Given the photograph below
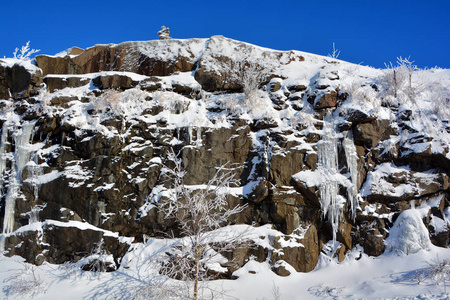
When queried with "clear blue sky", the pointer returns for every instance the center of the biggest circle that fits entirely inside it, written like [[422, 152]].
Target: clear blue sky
[[366, 31]]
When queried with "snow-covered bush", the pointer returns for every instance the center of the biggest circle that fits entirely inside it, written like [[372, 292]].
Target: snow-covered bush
[[247, 72], [397, 82], [440, 97], [25, 52], [362, 93], [302, 119], [436, 271], [131, 102], [259, 105], [173, 102], [106, 102], [335, 53], [408, 235], [25, 284], [98, 260]]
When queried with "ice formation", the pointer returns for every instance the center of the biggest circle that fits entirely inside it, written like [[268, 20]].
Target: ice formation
[[330, 200], [408, 235], [22, 155], [352, 164]]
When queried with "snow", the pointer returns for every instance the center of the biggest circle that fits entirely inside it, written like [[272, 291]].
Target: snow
[[377, 183], [408, 235], [29, 65], [357, 277]]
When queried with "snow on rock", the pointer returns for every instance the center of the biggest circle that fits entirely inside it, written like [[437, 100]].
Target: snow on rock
[[393, 183], [408, 235]]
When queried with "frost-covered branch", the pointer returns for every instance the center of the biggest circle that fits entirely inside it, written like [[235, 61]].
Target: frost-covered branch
[[25, 52], [335, 53]]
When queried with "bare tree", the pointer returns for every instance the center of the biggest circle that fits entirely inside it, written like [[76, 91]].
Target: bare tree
[[198, 214]]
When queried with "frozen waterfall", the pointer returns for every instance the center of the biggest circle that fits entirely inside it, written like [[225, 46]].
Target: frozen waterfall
[[21, 156], [352, 164], [327, 149]]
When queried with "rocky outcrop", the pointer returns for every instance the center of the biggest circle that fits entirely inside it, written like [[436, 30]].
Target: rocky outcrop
[[19, 80], [57, 243], [301, 253], [152, 58]]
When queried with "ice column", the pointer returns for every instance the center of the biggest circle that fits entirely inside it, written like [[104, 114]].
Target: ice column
[[34, 171], [3, 141], [21, 157], [352, 163], [327, 151], [199, 136]]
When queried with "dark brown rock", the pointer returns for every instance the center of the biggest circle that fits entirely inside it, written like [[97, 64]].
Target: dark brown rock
[[63, 243], [19, 82], [302, 254], [61, 82], [114, 81], [370, 134], [326, 101]]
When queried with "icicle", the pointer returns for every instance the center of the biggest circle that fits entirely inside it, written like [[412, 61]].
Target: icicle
[[189, 131], [352, 163], [21, 157], [34, 171], [10, 203], [34, 213], [330, 201], [199, 136], [4, 139], [23, 149], [327, 147]]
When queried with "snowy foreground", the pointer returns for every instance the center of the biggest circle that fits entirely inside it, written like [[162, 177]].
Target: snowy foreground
[[359, 276]]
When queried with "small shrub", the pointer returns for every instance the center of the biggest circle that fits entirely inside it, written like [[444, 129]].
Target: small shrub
[[25, 284], [437, 271]]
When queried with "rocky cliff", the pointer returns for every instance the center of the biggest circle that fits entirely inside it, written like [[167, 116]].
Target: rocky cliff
[[323, 149]]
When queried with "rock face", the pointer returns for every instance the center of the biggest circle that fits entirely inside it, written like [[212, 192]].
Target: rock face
[[19, 80], [58, 242], [153, 58], [85, 137]]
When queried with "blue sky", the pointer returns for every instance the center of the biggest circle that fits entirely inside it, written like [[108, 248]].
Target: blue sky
[[367, 32]]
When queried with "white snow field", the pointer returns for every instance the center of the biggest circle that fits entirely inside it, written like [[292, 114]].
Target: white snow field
[[393, 275]]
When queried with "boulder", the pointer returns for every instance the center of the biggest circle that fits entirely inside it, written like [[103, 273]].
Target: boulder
[[288, 209], [371, 133], [58, 242], [114, 81], [60, 82], [389, 183], [19, 81], [217, 147], [327, 100], [218, 70], [301, 252]]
